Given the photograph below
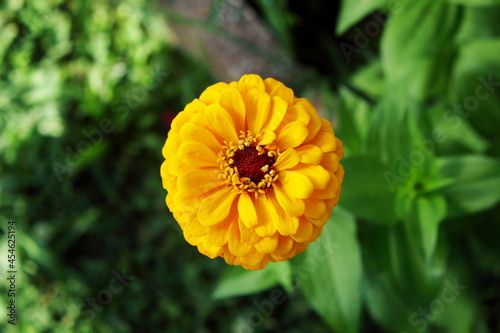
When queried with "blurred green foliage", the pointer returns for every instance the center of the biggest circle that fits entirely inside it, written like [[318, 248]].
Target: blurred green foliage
[[86, 91]]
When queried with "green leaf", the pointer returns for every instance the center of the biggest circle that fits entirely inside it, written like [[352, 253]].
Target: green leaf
[[407, 37], [366, 191], [476, 2], [476, 85], [236, 281], [477, 183], [332, 283], [370, 80], [354, 116], [352, 11], [428, 212], [479, 23]]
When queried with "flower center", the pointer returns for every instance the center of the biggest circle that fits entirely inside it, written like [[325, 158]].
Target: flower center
[[247, 166]]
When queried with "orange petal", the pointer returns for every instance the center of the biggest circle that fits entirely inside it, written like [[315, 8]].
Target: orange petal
[[285, 245], [304, 231], [218, 234], [236, 246], [267, 244], [247, 235], [253, 258], [315, 208]]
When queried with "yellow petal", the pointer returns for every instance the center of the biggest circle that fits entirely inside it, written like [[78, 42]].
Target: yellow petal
[[198, 181], [326, 141], [215, 208], [265, 227], [246, 210], [197, 155], [287, 160], [331, 190], [236, 246], [278, 110], [326, 126], [193, 132], [314, 124], [171, 145], [310, 154], [276, 88], [247, 235], [232, 101], [320, 221], [218, 234], [331, 162], [221, 123], [254, 81], [185, 201], [315, 208], [292, 206], [258, 105], [296, 184], [292, 135], [267, 244], [304, 231], [296, 113], [267, 138], [253, 258], [177, 167], [318, 176], [285, 245], [195, 228], [210, 96]]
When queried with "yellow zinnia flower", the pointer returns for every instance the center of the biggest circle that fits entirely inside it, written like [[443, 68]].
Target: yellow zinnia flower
[[252, 172]]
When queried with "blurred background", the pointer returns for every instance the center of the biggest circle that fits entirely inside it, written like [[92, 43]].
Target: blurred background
[[88, 90]]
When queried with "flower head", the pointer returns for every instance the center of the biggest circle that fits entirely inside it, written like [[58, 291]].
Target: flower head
[[252, 172]]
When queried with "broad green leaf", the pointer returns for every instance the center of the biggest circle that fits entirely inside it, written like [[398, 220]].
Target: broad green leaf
[[479, 23], [366, 191], [354, 121], [476, 2], [397, 281], [370, 80], [330, 273], [236, 281], [477, 183], [385, 305], [410, 38], [452, 133], [428, 212], [352, 11], [476, 84]]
